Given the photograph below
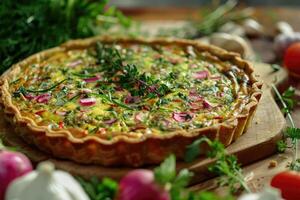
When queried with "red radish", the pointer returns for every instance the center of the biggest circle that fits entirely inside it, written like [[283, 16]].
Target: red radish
[[87, 101], [182, 116], [200, 75], [12, 165], [43, 98], [289, 183], [139, 185], [92, 79]]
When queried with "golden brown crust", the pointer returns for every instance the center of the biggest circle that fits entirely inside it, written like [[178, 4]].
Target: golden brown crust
[[122, 150]]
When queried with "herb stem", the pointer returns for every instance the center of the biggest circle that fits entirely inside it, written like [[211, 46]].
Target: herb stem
[[289, 116], [47, 89]]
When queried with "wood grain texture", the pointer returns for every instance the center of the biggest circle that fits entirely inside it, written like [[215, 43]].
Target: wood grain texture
[[257, 143]]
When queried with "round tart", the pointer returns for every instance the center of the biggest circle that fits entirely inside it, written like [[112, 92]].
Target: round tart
[[128, 101]]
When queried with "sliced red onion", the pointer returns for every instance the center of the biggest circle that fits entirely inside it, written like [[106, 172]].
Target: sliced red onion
[[140, 117], [40, 112], [218, 117], [207, 104], [92, 79], [75, 63], [87, 101], [182, 116], [196, 106], [152, 88], [43, 98], [110, 121], [200, 75], [194, 96], [193, 66], [215, 77], [29, 96], [131, 99], [174, 61], [61, 113], [85, 90]]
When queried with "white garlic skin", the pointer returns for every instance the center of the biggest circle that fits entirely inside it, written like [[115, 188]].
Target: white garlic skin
[[45, 184]]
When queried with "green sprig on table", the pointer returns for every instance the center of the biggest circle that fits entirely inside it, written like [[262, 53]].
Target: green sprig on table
[[287, 100], [225, 165]]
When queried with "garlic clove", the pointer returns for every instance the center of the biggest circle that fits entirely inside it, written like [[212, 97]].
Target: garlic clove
[[232, 28], [232, 43], [253, 28], [284, 28], [268, 193]]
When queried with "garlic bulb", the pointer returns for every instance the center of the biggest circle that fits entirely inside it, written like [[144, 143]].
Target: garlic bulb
[[266, 194], [232, 28], [253, 28], [284, 28], [45, 184], [231, 43]]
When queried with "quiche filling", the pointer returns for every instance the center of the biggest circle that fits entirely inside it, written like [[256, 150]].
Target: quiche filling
[[130, 89]]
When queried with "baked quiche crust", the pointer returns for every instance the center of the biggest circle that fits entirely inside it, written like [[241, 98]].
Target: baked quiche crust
[[122, 150]]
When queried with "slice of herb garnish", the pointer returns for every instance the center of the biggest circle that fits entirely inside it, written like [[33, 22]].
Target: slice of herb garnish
[[46, 89], [225, 165], [110, 99]]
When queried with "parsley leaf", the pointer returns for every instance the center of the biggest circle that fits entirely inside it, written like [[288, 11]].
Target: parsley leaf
[[166, 172], [99, 190], [288, 97], [225, 165]]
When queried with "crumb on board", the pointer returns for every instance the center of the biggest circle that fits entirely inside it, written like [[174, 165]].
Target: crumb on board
[[272, 164]]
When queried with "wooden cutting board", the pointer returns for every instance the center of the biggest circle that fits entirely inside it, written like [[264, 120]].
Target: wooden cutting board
[[257, 143]]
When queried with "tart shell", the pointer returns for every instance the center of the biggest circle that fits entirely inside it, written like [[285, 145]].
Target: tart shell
[[122, 150]]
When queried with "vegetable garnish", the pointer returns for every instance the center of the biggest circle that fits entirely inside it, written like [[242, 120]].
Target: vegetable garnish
[[182, 116], [291, 59], [289, 183], [12, 165], [162, 184], [54, 22], [225, 165], [87, 101], [288, 101], [200, 75]]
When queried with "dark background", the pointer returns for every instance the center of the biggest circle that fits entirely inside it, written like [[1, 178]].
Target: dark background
[[193, 3]]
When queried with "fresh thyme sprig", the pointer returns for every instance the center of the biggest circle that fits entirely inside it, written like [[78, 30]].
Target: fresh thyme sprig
[[288, 101], [129, 77], [225, 165], [165, 175]]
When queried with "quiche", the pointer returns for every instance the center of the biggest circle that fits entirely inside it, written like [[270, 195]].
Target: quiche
[[130, 102]]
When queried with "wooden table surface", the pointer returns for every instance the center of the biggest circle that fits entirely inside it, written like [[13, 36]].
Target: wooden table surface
[[259, 173]]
